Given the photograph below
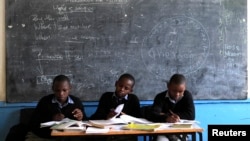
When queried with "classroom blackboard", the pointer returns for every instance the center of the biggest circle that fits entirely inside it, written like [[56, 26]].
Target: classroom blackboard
[[95, 41]]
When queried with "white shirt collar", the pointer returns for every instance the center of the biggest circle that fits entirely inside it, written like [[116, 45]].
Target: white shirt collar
[[171, 100], [70, 101], [125, 97]]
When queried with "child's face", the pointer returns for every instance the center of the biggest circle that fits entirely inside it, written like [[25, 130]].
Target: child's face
[[123, 87], [61, 90], [176, 91]]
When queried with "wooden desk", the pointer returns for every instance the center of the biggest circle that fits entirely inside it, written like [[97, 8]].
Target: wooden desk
[[191, 131]]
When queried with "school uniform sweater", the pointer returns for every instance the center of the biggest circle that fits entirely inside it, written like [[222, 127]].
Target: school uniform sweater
[[109, 101], [184, 108], [46, 109]]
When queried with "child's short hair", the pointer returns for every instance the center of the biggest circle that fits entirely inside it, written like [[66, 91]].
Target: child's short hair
[[60, 78], [177, 79], [127, 76]]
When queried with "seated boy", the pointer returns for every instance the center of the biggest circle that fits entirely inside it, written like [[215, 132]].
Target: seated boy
[[122, 95], [55, 107], [173, 104]]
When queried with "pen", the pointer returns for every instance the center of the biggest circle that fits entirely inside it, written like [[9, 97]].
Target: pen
[[59, 109], [171, 112], [123, 113], [175, 115]]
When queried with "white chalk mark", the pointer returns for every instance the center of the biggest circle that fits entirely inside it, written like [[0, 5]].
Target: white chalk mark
[[73, 42]]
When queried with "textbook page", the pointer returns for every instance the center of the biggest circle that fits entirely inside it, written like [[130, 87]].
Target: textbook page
[[128, 119], [123, 119], [71, 125], [188, 121], [118, 110], [183, 123], [51, 123], [102, 123], [144, 127], [91, 130]]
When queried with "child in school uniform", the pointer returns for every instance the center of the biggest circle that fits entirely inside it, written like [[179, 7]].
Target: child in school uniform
[[172, 105], [55, 107], [122, 95]]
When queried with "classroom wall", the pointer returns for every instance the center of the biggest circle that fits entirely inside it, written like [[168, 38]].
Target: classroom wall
[[207, 112]]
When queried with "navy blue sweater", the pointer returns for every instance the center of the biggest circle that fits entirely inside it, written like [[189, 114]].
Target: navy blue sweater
[[45, 110], [184, 108]]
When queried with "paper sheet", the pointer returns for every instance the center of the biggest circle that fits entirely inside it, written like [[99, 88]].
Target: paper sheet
[[51, 123], [96, 130], [118, 110], [129, 118]]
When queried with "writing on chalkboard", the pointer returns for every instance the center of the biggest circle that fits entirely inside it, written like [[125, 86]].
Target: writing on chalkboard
[[95, 41]]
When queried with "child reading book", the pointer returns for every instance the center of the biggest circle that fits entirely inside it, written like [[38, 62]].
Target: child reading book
[[55, 107], [122, 95]]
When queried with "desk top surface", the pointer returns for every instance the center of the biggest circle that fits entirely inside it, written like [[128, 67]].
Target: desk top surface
[[128, 132]]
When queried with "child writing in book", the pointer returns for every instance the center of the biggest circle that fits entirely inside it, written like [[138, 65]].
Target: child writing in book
[[173, 104], [122, 95], [55, 107]]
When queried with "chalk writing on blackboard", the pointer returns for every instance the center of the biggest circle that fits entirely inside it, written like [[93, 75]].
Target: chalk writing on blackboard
[[166, 54], [95, 41]]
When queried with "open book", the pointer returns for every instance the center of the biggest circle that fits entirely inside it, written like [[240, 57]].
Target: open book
[[184, 124], [181, 125], [51, 123], [131, 119], [189, 121], [92, 130], [123, 119], [118, 110], [71, 125], [140, 126]]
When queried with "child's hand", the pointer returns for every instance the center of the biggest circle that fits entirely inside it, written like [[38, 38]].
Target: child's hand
[[111, 114], [173, 117], [77, 113], [58, 117]]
